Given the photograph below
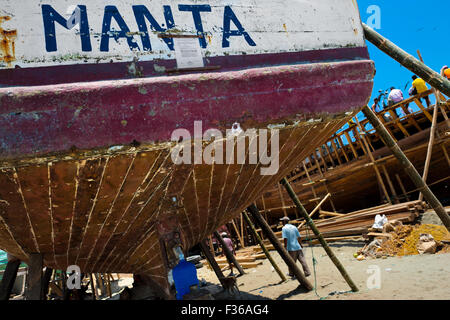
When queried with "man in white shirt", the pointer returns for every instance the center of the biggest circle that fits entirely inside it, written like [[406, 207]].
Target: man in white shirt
[[291, 238]]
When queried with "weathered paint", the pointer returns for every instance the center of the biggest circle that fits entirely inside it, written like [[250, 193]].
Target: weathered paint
[[39, 120], [118, 31]]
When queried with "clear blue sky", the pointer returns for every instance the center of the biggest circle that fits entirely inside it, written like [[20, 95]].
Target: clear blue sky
[[413, 25]]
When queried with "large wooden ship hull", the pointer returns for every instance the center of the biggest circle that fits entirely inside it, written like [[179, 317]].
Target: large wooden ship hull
[[346, 171], [87, 174]]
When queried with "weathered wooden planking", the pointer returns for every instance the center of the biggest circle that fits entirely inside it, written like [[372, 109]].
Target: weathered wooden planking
[[115, 172]]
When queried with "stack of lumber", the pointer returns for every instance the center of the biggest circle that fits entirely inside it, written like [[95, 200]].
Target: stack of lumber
[[249, 257], [354, 224]]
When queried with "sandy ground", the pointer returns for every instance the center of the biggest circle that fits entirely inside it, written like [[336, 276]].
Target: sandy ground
[[410, 277]]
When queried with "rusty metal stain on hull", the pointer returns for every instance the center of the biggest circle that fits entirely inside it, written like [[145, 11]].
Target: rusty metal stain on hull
[[7, 43]]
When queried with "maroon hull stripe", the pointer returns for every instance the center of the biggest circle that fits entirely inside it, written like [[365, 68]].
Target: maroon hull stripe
[[43, 119], [111, 71]]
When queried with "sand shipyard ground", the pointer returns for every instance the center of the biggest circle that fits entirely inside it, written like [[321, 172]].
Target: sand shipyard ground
[[407, 277]]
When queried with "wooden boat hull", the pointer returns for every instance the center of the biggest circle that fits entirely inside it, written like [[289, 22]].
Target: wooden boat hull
[[115, 213], [87, 176]]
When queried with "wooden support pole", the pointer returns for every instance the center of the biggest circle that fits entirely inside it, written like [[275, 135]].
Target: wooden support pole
[[325, 167], [372, 159], [94, 292], [316, 161], [265, 214], [313, 190], [9, 277], [108, 285], [317, 208], [253, 210], [52, 280], [211, 246], [101, 287], [402, 186], [408, 61], [391, 186], [45, 282], [237, 233], [444, 150], [342, 147], [350, 143], [430, 146], [333, 164], [230, 256], [338, 157], [34, 277], [212, 262], [263, 247], [319, 236], [408, 167], [242, 228], [331, 200], [282, 200]]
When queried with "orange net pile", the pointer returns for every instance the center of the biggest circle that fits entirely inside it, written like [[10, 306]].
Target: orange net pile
[[405, 239]]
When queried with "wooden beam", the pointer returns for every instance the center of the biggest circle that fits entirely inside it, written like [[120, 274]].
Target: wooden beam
[[211, 245], [391, 186], [372, 159], [342, 147], [45, 282], [263, 247], [430, 146], [330, 155], [34, 277], [282, 200], [9, 277], [325, 167], [350, 143], [315, 209], [93, 289], [402, 186], [253, 210], [212, 262], [230, 256], [444, 150], [336, 151], [332, 214], [237, 233], [424, 110]]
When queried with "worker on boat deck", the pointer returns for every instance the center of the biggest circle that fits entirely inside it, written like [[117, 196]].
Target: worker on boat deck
[[375, 107], [292, 242], [421, 87], [230, 246], [445, 72], [395, 96]]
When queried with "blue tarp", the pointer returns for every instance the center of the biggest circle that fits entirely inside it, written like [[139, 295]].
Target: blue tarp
[[3, 258]]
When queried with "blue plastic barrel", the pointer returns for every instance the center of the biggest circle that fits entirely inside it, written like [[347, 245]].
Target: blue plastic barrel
[[184, 276]]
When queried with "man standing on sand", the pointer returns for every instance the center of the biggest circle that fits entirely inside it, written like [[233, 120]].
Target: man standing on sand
[[291, 238]]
